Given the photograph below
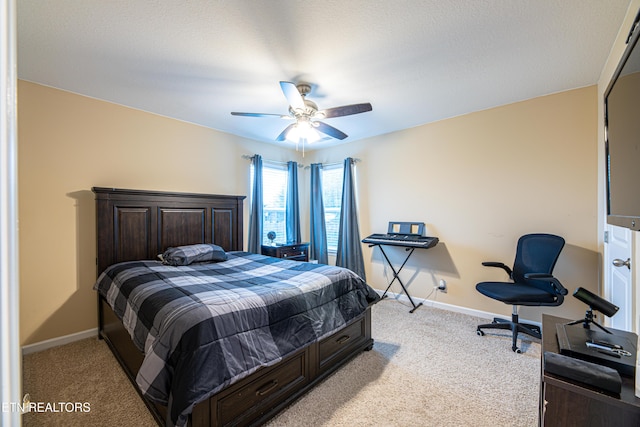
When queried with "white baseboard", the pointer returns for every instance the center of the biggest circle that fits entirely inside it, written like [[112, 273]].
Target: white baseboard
[[55, 342], [455, 308]]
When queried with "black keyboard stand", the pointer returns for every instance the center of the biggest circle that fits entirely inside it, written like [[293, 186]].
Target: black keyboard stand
[[396, 273]]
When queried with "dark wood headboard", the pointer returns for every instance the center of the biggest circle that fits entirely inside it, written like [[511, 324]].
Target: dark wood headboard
[[135, 225]]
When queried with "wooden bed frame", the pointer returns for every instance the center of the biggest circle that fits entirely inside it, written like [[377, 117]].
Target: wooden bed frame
[[136, 225]]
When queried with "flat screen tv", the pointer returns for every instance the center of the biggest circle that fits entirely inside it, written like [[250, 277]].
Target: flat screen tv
[[622, 137]]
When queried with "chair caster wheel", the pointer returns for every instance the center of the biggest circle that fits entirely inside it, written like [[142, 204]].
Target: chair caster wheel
[[516, 350], [479, 333]]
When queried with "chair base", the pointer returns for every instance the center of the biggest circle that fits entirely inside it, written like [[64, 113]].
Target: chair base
[[514, 326]]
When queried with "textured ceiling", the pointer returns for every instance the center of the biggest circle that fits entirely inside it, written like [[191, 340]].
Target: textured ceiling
[[415, 61]]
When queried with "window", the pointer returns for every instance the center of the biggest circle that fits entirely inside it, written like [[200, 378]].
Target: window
[[274, 195], [332, 197], [274, 198]]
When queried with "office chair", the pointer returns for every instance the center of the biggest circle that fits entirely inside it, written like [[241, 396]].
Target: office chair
[[532, 283]]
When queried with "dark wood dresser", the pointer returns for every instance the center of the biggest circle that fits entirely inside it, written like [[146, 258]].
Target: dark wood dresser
[[293, 251], [564, 402]]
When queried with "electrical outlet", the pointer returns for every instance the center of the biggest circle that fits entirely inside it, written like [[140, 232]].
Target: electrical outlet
[[442, 286]]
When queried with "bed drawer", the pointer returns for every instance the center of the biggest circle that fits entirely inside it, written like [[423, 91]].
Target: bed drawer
[[248, 401], [331, 348]]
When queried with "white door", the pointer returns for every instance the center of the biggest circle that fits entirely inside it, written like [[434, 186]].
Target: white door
[[617, 276]]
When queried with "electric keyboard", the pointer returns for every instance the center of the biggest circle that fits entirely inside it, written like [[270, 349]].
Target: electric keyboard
[[405, 234], [406, 240]]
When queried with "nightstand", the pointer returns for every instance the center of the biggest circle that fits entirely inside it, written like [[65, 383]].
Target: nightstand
[[293, 251]]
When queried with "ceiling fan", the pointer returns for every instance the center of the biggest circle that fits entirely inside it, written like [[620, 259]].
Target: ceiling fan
[[306, 115]]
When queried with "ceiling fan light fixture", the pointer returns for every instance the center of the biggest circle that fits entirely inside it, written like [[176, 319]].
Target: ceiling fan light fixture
[[303, 130], [293, 135]]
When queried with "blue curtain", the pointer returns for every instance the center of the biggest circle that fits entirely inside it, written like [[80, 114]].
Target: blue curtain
[[292, 209], [318, 242], [255, 216], [349, 248]]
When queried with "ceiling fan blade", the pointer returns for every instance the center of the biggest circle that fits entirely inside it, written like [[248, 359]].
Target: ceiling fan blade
[[283, 135], [329, 130], [235, 113], [293, 96], [345, 110]]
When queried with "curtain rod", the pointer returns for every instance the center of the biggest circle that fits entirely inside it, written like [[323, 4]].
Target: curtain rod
[[355, 160], [248, 157]]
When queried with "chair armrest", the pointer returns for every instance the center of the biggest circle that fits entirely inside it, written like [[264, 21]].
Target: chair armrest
[[501, 265], [544, 276]]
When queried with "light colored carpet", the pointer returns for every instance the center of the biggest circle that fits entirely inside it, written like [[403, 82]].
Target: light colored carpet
[[83, 371], [428, 368]]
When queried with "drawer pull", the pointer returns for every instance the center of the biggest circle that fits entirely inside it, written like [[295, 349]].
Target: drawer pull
[[267, 388], [343, 339]]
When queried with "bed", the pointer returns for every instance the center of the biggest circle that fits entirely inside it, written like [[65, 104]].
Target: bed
[[133, 227]]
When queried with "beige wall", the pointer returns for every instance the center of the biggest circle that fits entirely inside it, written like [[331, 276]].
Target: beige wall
[[478, 181], [69, 144]]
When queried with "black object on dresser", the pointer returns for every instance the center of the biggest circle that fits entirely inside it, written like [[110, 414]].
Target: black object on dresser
[[565, 401], [292, 251]]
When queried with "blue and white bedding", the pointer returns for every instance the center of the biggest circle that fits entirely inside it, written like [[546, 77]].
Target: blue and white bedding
[[204, 326]]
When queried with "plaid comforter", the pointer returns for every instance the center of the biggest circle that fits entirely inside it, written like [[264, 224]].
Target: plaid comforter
[[205, 326]]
